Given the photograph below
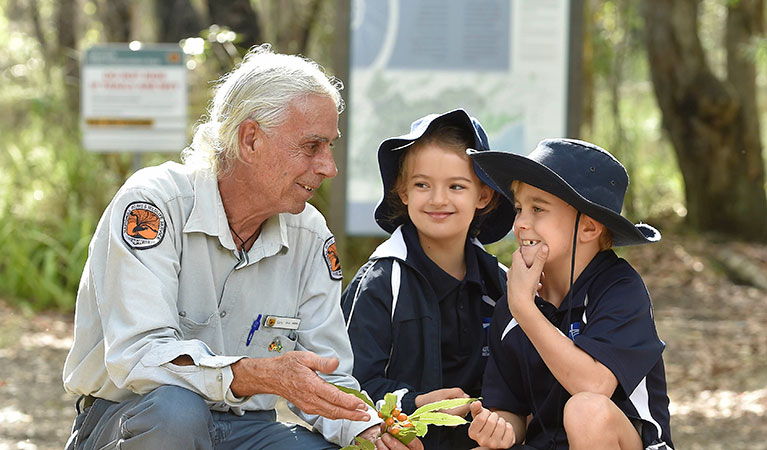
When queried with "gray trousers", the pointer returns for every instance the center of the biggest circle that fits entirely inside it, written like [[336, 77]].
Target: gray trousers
[[171, 418]]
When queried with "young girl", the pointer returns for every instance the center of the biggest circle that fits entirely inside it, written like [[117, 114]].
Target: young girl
[[418, 310]]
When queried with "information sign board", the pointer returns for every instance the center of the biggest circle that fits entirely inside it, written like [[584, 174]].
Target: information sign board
[[133, 100], [504, 61]]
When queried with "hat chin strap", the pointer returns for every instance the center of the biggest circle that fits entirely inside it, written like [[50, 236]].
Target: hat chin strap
[[553, 441], [572, 273]]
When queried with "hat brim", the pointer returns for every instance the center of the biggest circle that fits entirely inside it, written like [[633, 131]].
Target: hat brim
[[495, 224], [504, 168]]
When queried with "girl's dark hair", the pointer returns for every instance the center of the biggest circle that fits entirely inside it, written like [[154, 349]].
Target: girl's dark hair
[[448, 137]]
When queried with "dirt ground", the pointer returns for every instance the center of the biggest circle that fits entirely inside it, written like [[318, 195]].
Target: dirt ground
[[716, 355]]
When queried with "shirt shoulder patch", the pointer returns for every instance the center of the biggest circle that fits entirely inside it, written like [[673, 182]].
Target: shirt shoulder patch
[[330, 254], [143, 225]]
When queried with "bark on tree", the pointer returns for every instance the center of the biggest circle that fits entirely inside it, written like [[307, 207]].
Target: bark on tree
[[621, 48], [176, 19], [116, 18], [587, 71], [713, 124], [34, 12], [67, 24], [240, 17], [291, 24]]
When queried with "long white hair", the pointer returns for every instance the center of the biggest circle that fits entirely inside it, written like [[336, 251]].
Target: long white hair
[[260, 88]]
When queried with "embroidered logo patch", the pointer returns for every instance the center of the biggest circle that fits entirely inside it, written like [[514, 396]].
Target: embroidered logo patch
[[143, 225], [331, 259], [575, 330]]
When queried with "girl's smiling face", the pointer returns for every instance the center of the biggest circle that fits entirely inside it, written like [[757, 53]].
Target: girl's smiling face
[[442, 193]]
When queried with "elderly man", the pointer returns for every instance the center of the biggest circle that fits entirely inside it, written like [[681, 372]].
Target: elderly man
[[212, 287]]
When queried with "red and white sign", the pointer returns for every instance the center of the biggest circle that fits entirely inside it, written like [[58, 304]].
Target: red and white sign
[[134, 100]]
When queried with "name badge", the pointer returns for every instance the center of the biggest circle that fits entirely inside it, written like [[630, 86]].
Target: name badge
[[284, 323]]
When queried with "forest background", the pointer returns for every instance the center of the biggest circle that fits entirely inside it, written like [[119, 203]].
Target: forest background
[[676, 90]]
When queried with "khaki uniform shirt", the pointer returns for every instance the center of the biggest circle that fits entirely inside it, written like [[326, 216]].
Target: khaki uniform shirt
[[164, 278]]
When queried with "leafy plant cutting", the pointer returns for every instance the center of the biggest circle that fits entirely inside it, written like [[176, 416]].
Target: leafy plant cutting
[[404, 427]]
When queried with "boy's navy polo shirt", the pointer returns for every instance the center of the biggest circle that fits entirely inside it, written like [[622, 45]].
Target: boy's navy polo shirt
[[612, 321], [463, 312]]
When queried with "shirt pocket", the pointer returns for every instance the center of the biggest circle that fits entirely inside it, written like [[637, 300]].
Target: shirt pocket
[[268, 342], [204, 330]]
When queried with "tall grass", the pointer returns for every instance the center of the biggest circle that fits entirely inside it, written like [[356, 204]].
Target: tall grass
[[51, 195]]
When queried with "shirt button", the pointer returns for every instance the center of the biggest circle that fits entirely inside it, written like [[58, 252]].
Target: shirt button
[[460, 306], [223, 314], [219, 377], [182, 313], [465, 330]]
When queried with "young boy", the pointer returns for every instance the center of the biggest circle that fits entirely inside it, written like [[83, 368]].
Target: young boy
[[417, 311], [576, 346]]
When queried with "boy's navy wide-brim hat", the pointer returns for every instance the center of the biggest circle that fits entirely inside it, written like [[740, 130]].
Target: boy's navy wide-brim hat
[[495, 224], [582, 174]]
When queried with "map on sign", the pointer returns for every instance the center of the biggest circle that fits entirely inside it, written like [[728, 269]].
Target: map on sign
[[134, 99], [503, 61]]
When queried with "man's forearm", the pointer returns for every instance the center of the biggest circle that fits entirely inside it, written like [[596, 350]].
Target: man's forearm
[[253, 376]]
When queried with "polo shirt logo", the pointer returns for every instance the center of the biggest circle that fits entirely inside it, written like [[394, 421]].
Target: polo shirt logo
[[575, 330], [330, 254], [143, 225]]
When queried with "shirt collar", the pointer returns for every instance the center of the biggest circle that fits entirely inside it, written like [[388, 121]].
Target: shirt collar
[[208, 216], [593, 268], [442, 282], [580, 287], [272, 239], [472, 263]]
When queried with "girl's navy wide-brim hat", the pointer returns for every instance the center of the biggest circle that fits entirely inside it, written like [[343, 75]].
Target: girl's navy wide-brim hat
[[495, 224], [582, 174]]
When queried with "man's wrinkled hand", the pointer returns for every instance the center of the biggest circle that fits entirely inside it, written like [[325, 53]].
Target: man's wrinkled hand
[[389, 442], [293, 376]]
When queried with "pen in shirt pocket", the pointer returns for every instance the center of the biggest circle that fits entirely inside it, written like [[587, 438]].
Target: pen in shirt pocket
[[253, 329]]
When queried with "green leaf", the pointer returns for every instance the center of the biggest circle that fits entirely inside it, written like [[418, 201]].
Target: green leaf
[[438, 418], [421, 428], [360, 444], [390, 402], [364, 443], [406, 435], [442, 404], [355, 393]]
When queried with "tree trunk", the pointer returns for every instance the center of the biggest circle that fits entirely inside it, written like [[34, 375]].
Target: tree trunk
[[290, 25], [615, 78], [176, 19], [587, 71], [34, 12], [240, 17], [712, 124], [116, 18], [66, 52]]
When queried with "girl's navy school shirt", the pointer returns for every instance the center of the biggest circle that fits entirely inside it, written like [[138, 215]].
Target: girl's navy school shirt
[[433, 336], [465, 315]]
